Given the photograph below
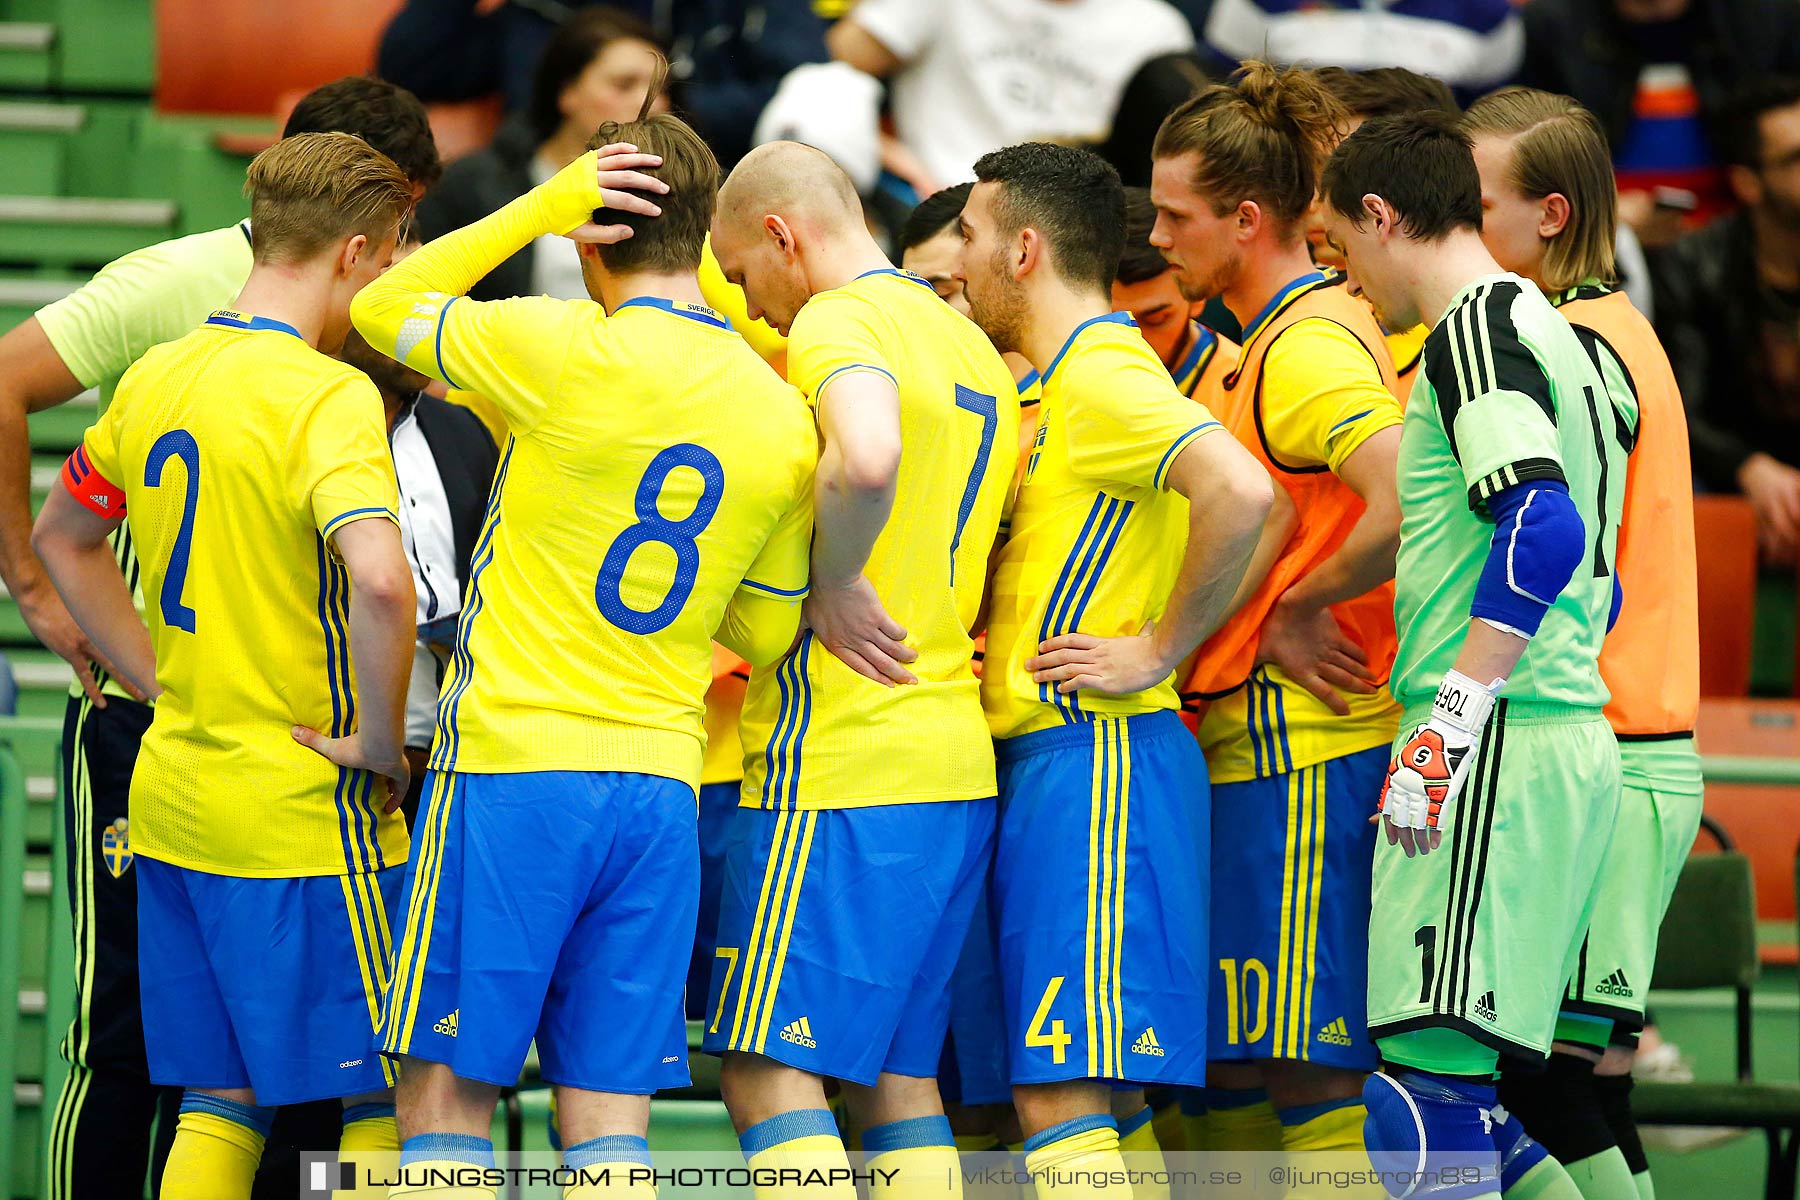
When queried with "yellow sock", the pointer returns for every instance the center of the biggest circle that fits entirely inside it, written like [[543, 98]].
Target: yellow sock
[[921, 1156], [218, 1143], [370, 1142], [1335, 1125], [608, 1164], [442, 1166], [1143, 1155], [1063, 1159], [1235, 1119], [979, 1143], [1171, 1127], [806, 1141]]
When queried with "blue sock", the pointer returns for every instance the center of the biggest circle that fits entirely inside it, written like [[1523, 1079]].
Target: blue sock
[[447, 1147], [247, 1115], [1419, 1122], [908, 1134], [610, 1148]]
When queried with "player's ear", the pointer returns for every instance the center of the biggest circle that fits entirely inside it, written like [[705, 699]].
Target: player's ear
[[354, 247], [1028, 252], [1249, 219], [1553, 215], [1376, 209], [779, 233]]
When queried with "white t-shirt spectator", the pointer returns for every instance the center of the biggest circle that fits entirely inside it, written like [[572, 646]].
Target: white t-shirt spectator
[[981, 74]]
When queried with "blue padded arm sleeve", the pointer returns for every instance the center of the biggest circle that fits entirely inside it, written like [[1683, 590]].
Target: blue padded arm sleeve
[[1538, 543]]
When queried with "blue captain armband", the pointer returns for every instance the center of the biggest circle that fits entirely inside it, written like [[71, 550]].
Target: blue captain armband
[[1538, 543]]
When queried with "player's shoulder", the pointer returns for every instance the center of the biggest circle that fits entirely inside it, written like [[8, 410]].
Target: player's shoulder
[[1101, 348], [1500, 335]]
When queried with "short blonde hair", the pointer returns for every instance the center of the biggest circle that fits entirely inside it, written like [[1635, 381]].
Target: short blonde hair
[[313, 190], [1558, 146]]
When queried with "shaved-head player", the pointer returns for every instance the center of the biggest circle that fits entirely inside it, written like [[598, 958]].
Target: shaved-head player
[[868, 773]]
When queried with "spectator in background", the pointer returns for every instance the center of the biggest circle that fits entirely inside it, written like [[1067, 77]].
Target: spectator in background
[[727, 56], [1728, 312], [1657, 73], [1157, 90], [1473, 45], [969, 76], [595, 68]]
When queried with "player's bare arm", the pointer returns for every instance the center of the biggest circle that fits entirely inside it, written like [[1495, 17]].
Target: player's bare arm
[[33, 377], [1300, 635], [853, 495], [1229, 496], [382, 630], [72, 543]]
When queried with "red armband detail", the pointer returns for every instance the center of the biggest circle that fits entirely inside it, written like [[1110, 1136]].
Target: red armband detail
[[90, 488]]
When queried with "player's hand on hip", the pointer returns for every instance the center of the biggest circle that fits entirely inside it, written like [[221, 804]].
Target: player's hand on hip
[[351, 752], [1309, 646], [50, 623], [1114, 666], [1426, 776], [850, 621]]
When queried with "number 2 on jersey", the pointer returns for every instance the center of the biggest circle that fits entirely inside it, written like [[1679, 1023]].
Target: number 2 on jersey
[[987, 408], [177, 443], [653, 528]]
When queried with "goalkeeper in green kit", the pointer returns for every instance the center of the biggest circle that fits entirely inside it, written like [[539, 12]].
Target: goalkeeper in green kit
[[1500, 802]]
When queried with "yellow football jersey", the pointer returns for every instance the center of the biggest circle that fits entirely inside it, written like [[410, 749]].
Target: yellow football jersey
[[1320, 397], [1096, 540], [1201, 371], [235, 453], [816, 734], [656, 466]]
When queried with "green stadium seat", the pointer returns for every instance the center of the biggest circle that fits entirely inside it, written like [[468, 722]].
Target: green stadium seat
[[34, 142], [22, 296], [27, 54], [12, 928], [66, 230], [58, 430], [1708, 940], [43, 683]]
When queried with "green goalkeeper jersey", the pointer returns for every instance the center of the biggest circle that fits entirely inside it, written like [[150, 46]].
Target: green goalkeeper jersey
[[1507, 394]]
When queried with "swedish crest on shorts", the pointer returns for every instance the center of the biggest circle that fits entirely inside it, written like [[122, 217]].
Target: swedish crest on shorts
[[115, 847]]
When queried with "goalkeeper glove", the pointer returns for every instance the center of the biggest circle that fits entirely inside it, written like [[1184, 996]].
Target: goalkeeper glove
[[1427, 774]]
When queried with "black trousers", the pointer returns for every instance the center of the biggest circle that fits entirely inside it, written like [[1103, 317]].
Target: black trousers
[[112, 1127]]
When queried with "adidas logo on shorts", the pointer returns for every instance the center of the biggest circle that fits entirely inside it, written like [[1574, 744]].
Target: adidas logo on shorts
[[1335, 1034], [1484, 1007], [1614, 985], [447, 1026], [1147, 1044], [800, 1033]]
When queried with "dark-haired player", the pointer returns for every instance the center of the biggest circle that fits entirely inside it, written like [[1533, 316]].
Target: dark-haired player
[[1149, 288], [654, 496], [1500, 801], [1106, 582], [100, 1135], [1299, 723]]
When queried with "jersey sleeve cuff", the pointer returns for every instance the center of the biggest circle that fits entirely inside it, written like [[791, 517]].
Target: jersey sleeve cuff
[[1522, 471], [1177, 446], [1344, 438], [849, 367], [356, 514], [778, 593], [91, 489]]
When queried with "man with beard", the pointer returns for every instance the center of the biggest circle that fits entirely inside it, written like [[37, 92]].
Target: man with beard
[[1300, 721], [1106, 583]]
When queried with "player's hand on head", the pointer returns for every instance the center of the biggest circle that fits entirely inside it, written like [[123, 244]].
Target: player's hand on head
[[621, 180], [850, 621], [1115, 666], [1309, 646], [1427, 775], [50, 623], [351, 752]]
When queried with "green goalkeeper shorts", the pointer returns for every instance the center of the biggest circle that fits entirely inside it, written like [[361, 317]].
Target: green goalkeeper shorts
[[1659, 813], [1481, 935]]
